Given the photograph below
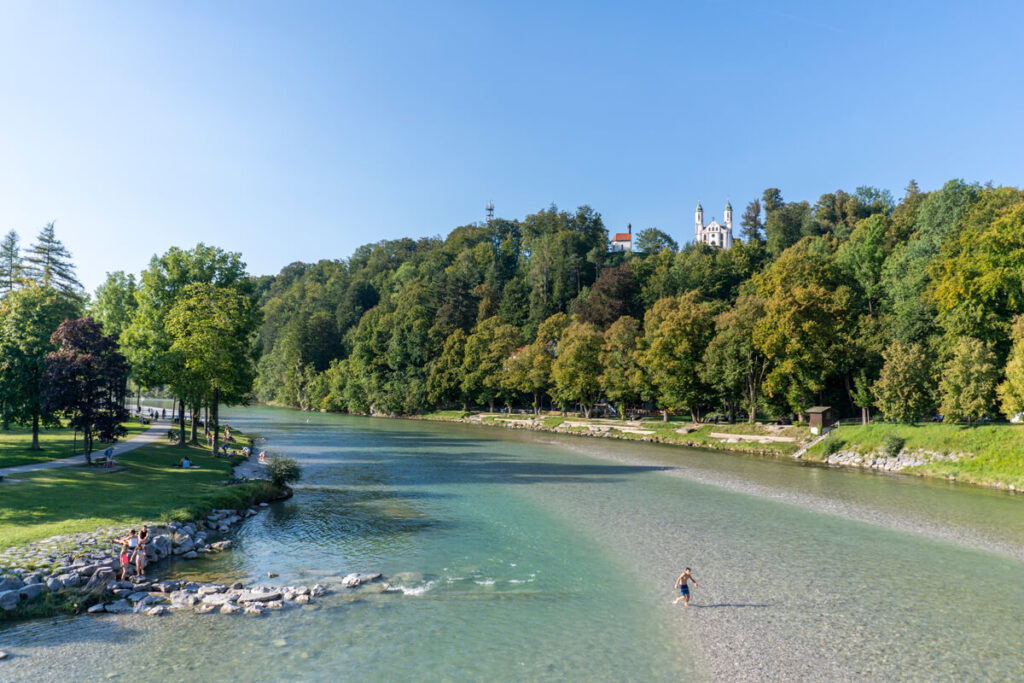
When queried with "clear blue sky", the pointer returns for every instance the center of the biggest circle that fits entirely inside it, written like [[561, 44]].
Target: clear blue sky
[[298, 131]]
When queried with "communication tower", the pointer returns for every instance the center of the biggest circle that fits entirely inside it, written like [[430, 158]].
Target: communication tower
[[490, 210]]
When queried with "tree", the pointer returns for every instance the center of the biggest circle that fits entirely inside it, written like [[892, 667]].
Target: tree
[[28, 319], [677, 330], [577, 369], [85, 380], [806, 324], [483, 364], [212, 330], [786, 224], [115, 302], [48, 263], [622, 379], [652, 240], [444, 382], [771, 199], [751, 222], [978, 278], [1011, 391], [145, 341], [613, 295], [528, 371], [905, 390], [968, 384], [10, 263], [862, 258], [732, 364]]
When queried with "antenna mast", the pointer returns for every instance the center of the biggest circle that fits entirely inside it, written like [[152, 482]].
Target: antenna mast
[[490, 210]]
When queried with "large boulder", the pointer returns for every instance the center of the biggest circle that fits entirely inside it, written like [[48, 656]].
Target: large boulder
[[119, 606], [259, 595], [31, 591], [217, 598], [10, 583], [9, 599], [69, 580], [354, 579]]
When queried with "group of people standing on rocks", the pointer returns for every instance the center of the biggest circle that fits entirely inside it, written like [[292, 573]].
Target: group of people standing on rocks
[[133, 552]]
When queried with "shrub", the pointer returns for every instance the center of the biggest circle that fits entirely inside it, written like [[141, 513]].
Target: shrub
[[892, 444], [283, 471], [833, 444]]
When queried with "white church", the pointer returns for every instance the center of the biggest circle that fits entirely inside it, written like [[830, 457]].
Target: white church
[[714, 233]]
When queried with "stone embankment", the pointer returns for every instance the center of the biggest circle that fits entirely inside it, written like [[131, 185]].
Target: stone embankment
[[880, 461], [85, 566]]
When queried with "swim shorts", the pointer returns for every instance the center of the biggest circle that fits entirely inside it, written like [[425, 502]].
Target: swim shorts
[[684, 590]]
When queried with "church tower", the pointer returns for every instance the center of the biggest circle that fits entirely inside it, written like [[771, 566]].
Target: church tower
[[728, 225], [698, 219]]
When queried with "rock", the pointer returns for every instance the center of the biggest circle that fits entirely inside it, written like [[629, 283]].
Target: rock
[[3, 655], [210, 589], [280, 642], [229, 608], [264, 505], [156, 611], [31, 591], [190, 555], [119, 606], [204, 608], [221, 545], [255, 609], [217, 599], [54, 584], [9, 599], [10, 584], [354, 579], [258, 595], [137, 597], [185, 547], [275, 604], [271, 575], [96, 609], [317, 590], [301, 590], [237, 585], [100, 581], [301, 599]]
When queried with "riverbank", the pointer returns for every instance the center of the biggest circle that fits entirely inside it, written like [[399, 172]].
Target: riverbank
[[146, 484], [54, 443], [984, 455]]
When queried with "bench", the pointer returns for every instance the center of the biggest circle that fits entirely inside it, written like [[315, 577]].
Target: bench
[[103, 460]]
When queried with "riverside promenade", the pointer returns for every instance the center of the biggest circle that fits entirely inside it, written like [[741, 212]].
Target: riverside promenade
[[151, 435]]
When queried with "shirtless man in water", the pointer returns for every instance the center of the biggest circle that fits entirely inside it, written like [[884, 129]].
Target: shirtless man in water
[[684, 590]]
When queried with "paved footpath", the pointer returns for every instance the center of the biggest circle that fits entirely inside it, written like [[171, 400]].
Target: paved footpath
[[155, 433]]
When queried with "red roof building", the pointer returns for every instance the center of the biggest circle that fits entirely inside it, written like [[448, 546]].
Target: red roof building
[[623, 241]]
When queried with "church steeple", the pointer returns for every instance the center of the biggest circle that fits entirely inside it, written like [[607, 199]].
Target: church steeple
[[698, 219]]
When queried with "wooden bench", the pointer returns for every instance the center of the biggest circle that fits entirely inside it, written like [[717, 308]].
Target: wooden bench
[[103, 460]]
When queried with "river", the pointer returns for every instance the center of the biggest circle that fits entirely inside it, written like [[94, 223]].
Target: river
[[531, 556]]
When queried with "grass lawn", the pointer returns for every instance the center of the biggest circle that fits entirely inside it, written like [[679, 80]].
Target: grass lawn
[[146, 486], [998, 448], [55, 443]]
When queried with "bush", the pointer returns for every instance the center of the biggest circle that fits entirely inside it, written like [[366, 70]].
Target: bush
[[283, 471], [892, 444], [833, 444]]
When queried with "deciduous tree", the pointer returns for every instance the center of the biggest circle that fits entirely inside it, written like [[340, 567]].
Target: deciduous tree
[[968, 384], [905, 390]]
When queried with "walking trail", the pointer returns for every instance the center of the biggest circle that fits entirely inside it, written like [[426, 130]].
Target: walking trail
[[157, 431]]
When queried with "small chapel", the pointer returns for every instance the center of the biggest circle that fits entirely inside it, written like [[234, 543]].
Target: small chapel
[[714, 233]]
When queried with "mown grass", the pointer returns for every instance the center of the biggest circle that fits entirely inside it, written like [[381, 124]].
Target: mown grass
[[147, 485], [998, 449], [55, 443], [444, 415]]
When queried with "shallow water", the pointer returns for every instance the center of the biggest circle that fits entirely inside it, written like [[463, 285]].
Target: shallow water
[[535, 557]]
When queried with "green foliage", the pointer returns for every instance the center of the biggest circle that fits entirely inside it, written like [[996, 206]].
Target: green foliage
[[283, 471], [577, 369], [833, 444], [1011, 390], [114, 303], [968, 384], [47, 263], [652, 240], [892, 444], [11, 264], [623, 379], [905, 390]]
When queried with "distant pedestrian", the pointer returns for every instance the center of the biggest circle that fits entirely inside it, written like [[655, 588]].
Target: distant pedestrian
[[684, 589]]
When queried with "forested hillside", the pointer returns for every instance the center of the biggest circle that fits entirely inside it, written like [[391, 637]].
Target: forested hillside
[[855, 301]]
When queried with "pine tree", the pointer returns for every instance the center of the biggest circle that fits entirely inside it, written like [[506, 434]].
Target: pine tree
[[48, 263], [10, 262], [751, 222]]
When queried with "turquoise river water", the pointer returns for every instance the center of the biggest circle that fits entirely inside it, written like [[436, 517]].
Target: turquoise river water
[[530, 556]]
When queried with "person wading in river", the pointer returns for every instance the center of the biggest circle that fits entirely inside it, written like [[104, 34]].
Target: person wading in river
[[684, 590]]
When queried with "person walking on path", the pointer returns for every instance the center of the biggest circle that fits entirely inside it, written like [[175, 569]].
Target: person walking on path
[[684, 589]]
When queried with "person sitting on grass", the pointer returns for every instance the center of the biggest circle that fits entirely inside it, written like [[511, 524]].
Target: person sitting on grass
[[185, 463]]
